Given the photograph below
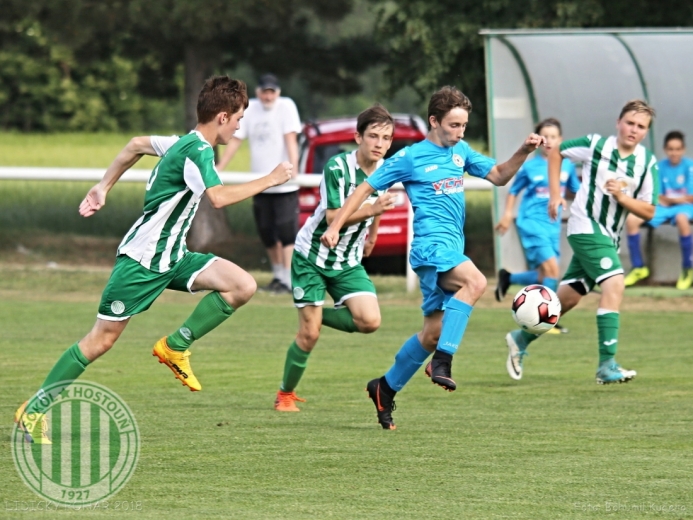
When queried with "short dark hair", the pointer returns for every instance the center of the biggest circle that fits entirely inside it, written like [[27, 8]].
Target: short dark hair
[[639, 107], [444, 101], [674, 134], [220, 94], [549, 121], [375, 115]]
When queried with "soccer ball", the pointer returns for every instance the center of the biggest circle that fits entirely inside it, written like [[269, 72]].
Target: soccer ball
[[536, 309]]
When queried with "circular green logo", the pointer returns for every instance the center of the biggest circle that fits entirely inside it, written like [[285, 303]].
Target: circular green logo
[[90, 446]]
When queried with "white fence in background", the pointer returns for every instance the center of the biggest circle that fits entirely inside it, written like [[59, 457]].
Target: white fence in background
[[309, 181]]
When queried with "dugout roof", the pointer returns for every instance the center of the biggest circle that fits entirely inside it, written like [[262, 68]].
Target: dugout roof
[[583, 77]]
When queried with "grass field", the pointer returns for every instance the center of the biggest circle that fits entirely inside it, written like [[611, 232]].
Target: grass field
[[554, 445], [82, 150]]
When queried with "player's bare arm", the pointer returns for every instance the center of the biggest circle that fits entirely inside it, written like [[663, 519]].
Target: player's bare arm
[[372, 237], [291, 142], [351, 205], [383, 203], [507, 218], [502, 173], [556, 201], [221, 196], [639, 208], [126, 159]]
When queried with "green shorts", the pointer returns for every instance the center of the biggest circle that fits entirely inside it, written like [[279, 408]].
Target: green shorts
[[595, 259], [132, 289], [310, 282]]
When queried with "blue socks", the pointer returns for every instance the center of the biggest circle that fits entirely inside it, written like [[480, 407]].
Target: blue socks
[[686, 250], [525, 278], [634, 250], [551, 283], [455, 321], [407, 361]]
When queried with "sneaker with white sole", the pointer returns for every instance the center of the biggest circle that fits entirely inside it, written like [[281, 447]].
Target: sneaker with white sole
[[611, 372], [516, 354]]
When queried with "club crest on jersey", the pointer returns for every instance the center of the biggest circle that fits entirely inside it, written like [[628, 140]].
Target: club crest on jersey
[[449, 186], [457, 160]]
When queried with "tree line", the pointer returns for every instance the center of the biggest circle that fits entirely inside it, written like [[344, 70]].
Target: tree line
[[100, 65]]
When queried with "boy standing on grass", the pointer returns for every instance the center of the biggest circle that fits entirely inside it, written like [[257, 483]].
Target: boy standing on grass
[[619, 176], [316, 268], [432, 172], [153, 255]]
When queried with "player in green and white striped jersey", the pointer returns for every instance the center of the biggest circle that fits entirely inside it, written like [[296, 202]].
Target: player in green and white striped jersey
[[618, 176], [315, 269], [153, 256]]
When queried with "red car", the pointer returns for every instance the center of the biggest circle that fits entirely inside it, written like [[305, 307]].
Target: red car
[[323, 139]]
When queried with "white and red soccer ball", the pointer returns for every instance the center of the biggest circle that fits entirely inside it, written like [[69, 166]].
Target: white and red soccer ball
[[536, 309]]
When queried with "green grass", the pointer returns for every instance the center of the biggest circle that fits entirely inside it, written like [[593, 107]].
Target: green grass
[[554, 445], [82, 150]]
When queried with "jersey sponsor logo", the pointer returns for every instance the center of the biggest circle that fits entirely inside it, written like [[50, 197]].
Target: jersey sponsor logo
[[431, 168], [117, 307], [299, 293], [606, 263], [458, 160], [203, 147], [449, 186]]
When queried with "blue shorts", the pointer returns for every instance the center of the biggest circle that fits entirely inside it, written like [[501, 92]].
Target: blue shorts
[[428, 264], [667, 214], [538, 249]]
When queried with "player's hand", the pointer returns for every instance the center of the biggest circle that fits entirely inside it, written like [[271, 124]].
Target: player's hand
[[614, 188], [504, 224], [368, 246], [383, 203], [533, 142], [282, 173], [330, 238], [554, 204], [93, 202]]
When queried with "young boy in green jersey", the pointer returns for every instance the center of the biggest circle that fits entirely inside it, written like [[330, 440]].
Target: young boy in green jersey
[[619, 176], [316, 269], [153, 256]]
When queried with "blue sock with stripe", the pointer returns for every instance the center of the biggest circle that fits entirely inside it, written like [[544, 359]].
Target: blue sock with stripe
[[686, 250], [407, 361], [634, 250], [524, 278], [455, 321]]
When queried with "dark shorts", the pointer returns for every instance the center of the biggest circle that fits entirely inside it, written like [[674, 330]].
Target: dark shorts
[[276, 217]]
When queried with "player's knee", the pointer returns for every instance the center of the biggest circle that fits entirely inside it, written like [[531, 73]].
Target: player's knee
[[244, 290], [308, 337], [368, 324], [429, 340], [477, 285]]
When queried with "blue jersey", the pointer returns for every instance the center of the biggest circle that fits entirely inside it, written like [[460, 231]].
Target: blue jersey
[[533, 177], [433, 178], [676, 181]]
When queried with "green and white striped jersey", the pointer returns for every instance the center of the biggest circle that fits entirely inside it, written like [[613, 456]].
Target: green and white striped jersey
[[594, 209], [340, 178], [174, 189]]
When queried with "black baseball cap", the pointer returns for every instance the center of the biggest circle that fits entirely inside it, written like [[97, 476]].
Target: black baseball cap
[[268, 82]]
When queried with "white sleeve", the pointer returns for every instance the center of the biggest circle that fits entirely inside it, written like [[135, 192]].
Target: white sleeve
[[161, 143], [291, 122]]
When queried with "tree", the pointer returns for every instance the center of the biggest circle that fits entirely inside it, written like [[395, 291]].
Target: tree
[[430, 44]]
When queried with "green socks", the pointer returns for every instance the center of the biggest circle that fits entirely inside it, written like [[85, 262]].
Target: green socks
[[294, 366], [68, 368], [211, 312], [607, 327], [340, 319]]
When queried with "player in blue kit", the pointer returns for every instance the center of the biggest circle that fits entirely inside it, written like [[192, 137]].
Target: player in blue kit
[[432, 172], [675, 207], [539, 235]]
